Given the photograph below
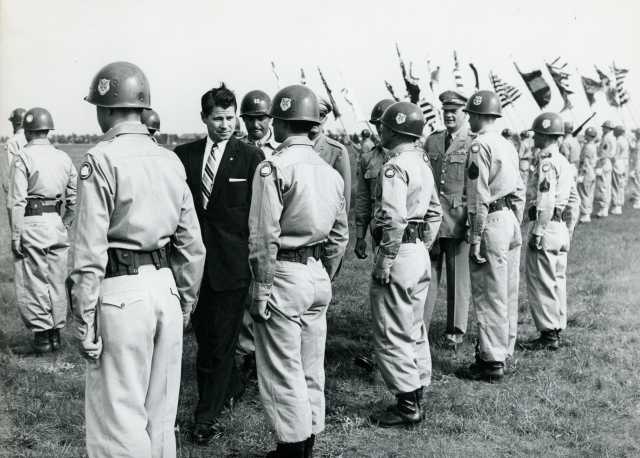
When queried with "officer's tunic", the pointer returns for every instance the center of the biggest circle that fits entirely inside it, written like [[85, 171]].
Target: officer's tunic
[[620, 168], [406, 194], [43, 174], [133, 195], [297, 201], [587, 179], [449, 173], [603, 171], [367, 173], [493, 174], [335, 154], [546, 268]]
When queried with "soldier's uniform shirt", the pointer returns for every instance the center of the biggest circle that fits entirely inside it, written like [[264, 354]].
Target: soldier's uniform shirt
[[297, 201], [43, 173], [335, 154], [603, 172], [267, 144], [367, 173], [587, 178], [449, 167], [549, 190], [619, 171], [406, 194], [133, 195], [14, 145], [607, 147], [493, 174], [570, 148]]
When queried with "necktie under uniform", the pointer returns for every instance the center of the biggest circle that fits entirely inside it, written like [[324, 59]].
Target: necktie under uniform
[[208, 175]]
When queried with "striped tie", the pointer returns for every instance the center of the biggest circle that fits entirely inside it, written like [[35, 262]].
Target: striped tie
[[207, 176]]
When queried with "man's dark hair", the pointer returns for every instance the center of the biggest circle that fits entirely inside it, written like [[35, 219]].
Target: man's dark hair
[[217, 97]]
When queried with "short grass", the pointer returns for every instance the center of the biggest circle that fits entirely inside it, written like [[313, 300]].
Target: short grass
[[583, 400]]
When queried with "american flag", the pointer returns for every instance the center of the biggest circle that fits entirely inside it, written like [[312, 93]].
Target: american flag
[[622, 94], [457, 74], [429, 113], [507, 93]]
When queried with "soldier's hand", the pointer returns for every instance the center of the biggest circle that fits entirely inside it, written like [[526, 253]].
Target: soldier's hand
[[474, 254], [535, 242], [361, 248], [91, 348], [16, 247], [259, 310]]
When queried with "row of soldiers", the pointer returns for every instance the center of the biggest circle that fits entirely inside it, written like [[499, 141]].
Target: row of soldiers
[[455, 202]]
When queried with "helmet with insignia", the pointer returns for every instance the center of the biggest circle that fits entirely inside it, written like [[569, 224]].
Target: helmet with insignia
[[120, 85], [484, 103], [608, 124], [255, 103], [404, 118], [17, 116], [618, 130], [590, 132], [37, 119], [378, 109], [548, 124], [568, 127], [150, 119], [296, 103]]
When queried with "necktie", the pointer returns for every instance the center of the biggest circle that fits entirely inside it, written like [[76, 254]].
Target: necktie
[[447, 141], [208, 175]]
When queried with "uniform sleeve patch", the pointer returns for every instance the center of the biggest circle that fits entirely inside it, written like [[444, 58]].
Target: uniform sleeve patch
[[473, 172], [265, 170], [475, 148], [546, 167], [425, 157], [86, 170], [389, 172], [545, 185]]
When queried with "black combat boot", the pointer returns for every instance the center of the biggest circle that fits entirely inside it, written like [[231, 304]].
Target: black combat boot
[[289, 450], [41, 342], [54, 337], [406, 411], [486, 371], [308, 446], [548, 340]]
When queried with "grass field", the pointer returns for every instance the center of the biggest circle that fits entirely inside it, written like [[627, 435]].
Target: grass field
[[583, 400]]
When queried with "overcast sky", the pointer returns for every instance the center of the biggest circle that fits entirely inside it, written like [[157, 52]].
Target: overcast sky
[[50, 50]]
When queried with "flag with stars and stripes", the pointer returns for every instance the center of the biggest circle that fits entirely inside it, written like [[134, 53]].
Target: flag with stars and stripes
[[620, 75], [506, 93], [428, 112]]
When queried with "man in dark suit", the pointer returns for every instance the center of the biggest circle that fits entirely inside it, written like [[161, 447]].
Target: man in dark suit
[[220, 170]]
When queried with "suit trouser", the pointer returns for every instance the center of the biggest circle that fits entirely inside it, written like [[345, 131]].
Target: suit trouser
[[618, 185], [494, 286], [602, 193], [216, 322], [455, 253], [290, 350], [586, 191], [246, 337], [399, 335], [131, 394], [547, 278], [40, 275]]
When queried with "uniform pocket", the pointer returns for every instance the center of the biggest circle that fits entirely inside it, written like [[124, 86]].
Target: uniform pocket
[[122, 299]]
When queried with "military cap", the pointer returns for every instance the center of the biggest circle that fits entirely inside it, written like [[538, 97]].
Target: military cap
[[452, 99]]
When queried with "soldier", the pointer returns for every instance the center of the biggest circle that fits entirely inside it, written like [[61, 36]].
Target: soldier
[[586, 174], [367, 141], [606, 151], [333, 152], [15, 143], [546, 266], [151, 119], [406, 222], [620, 170], [634, 176], [298, 234], [495, 203], [525, 154], [136, 272], [42, 178], [569, 147], [254, 111], [448, 151]]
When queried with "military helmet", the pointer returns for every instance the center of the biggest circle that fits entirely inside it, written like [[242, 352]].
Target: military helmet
[[404, 118], [590, 132], [120, 85], [365, 133], [255, 103], [507, 133], [378, 109], [548, 124], [568, 127], [608, 124], [150, 119], [484, 103], [618, 130], [38, 119], [17, 115], [296, 103]]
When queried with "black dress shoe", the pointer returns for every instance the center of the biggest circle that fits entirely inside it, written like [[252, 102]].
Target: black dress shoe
[[288, 450], [54, 337], [202, 434], [41, 342], [548, 340]]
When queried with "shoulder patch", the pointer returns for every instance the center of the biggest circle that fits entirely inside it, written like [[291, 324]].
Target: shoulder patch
[[390, 172], [473, 171], [545, 167], [475, 148], [266, 170], [86, 170], [425, 157]]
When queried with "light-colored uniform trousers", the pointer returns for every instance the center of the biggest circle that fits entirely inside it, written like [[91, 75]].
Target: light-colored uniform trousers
[[586, 189], [399, 334], [290, 350], [132, 392], [547, 278], [602, 194], [618, 182], [634, 178], [494, 286], [455, 254], [40, 275]]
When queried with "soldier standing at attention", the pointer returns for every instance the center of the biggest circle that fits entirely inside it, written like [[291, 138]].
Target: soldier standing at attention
[[41, 179], [136, 272], [548, 192], [495, 202], [634, 176], [406, 222], [604, 168], [586, 174], [620, 171], [569, 147], [298, 234], [448, 151], [14, 145], [254, 111]]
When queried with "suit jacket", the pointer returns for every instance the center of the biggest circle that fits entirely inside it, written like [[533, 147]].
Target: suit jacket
[[449, 173], [224, 223]]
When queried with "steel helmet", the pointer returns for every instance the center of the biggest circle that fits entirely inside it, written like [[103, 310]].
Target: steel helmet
[[255, 103], [150, 119], [548, 124], [590, 132], [365, 133], [484, 103], [404, 118], [507, 133], [38, 119], [608, 124], [120, 85], [378, 109], [619, 130], [568, 127], [17, 115], [296, 103]]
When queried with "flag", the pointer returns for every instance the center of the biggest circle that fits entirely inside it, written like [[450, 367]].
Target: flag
[[275, 73], [620, 75], [428, 112], [538, 87], [561, 78], [434, 78], [475, 75], [336, 112], [387, 84], [506, 93], [303, 77], [591, 86], [609, 90], [457, 74]]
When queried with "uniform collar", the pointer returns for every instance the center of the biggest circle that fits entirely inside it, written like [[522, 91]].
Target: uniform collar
[[129, 127], [401, 149], [267, 140], [40, 141], [550, 150], [461, 132], [294, 140]]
